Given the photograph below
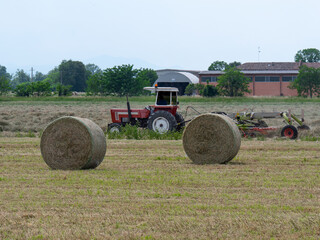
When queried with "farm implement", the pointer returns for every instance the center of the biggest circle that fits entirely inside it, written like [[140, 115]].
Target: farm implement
[[252, 123]]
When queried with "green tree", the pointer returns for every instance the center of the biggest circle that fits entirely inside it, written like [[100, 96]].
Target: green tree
[[194, 88], [4, 85], [23, 89], [63, 90], [307, 55], [73, 73], [3, 72], [122, 80], [209, 91], [189, 89], [42, 88], [147, 75], [307, 82], [20, 77], [234, 64], [218, 66], [222, 65], [95, 84], [92, 69], [53, 76], [233, 83], [39, 77]]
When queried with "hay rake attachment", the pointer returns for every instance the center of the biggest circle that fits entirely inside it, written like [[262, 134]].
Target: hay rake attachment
[[252, 123]]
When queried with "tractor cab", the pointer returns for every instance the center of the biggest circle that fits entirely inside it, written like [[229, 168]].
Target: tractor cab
[[165, 96]]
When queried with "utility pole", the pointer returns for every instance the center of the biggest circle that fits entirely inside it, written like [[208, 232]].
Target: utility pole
[[31, 74]]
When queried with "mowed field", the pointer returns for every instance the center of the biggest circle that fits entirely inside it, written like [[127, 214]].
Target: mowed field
[[149, 189]]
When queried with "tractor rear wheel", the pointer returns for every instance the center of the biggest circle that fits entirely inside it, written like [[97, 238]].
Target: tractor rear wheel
[[114, 127], [289, 131], [162, 122], [180, 121]]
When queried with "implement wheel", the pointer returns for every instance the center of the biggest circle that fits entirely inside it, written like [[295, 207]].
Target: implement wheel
[[290, 132]]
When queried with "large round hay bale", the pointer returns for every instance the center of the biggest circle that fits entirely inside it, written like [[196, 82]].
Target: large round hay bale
[[73, 143], [211, 138]]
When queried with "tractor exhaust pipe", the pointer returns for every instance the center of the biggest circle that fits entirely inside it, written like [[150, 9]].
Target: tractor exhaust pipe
[[129, 109]]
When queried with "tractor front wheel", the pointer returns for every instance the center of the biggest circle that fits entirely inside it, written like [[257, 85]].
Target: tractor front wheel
[[162, 122], [289, 131], [114, 127]]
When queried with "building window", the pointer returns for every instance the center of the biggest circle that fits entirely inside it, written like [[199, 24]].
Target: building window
[[288, 78], [267, 79], [205, 79], [209, 79], [274, 79], [250, 78], [260, 79]]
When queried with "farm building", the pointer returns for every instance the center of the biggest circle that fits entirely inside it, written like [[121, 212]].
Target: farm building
[[267, 78], [177, 78]]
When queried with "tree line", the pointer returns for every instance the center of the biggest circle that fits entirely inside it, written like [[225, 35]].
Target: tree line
[[125, 79], [72, 76]]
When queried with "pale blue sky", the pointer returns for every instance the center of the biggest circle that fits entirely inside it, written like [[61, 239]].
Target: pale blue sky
[[186, 34]]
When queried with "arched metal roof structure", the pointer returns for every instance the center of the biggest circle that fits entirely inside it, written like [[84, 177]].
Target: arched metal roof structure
[[178, 77]]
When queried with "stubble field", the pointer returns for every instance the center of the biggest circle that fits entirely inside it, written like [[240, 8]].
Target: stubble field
[[151, 190]]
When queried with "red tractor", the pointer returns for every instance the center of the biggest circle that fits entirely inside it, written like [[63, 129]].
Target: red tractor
[[160, 117]]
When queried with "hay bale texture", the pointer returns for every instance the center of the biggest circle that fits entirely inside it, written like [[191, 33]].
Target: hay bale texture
[[73, 143], [211, 138]]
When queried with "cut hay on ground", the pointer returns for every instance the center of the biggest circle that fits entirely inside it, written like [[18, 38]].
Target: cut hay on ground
[[211, 138], [73, 143]]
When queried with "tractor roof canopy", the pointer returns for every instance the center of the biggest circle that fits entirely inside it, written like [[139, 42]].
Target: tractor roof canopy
[[161, 89]]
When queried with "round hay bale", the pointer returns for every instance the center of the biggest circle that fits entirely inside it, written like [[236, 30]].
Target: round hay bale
[[73, 143], [211, 138]]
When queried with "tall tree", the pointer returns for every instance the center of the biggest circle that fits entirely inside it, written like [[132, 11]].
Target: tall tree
[[93, 69], [4, 84], [73, 73], [147, 75], [20, 77], [234, 64], [39, 77], [218, 66], [95, 84], [307, 55], [233, 83], [307, 82], [122, 80], [3, 72], [222, 65]]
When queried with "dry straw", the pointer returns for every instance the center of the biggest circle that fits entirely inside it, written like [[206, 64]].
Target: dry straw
[[211, 138], [73, 143]]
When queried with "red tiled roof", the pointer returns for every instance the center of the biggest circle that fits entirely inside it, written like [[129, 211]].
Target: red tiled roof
[[312, 64], [274, 66], [270, 66]]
